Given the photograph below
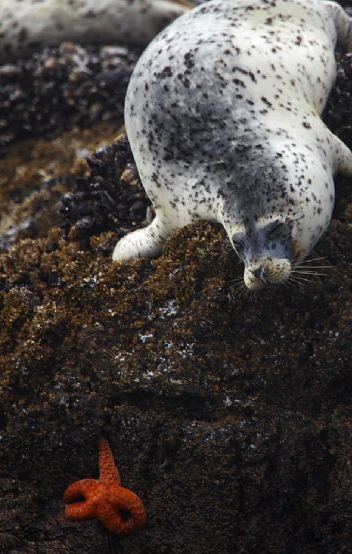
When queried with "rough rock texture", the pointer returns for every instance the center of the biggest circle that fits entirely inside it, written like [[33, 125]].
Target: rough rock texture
[[230, 418], [229, 415], [36, 173], [61, 87]]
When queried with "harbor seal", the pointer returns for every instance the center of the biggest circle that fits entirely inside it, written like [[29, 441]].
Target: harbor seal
[[222, 114]]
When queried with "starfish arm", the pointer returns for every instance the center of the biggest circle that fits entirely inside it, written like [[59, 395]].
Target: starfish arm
[[127, 511], [108, 470], [110, 517], [76, 508], [80, 510]]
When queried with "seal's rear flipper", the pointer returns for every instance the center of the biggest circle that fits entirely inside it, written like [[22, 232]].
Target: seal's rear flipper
[[342, 158], [343, 24]]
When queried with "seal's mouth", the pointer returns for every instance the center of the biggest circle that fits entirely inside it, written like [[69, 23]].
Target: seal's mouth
[[257, 284], [268, 273], [258, 279]]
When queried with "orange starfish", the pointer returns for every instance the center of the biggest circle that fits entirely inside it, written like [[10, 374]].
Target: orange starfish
[[119, 509]]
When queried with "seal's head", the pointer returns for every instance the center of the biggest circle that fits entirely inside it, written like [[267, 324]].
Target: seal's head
[[266, 248]]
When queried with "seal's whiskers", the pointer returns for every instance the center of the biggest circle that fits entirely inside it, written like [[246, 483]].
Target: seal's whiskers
[[313, 267], [291, 283], [296, 284], [308, 260], [307, 267], [303, 279], [236, 283], [242, 291], [308, 273]]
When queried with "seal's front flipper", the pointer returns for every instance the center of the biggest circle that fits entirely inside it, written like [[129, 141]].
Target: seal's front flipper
[[342, 158], [143, 243]]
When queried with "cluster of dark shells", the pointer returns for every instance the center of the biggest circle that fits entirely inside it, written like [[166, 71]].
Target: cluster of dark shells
[[62, 87], [109, 197]]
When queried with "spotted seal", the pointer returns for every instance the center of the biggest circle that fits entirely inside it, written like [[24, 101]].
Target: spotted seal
[[222, 113]]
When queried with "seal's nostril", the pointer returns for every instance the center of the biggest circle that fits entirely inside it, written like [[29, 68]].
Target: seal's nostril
[[257, 272]]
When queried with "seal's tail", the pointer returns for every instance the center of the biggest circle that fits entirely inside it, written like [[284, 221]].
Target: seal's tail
[[26, 25]]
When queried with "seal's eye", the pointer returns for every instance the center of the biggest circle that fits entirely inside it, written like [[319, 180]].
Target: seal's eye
[[237, 244], [276, 229]]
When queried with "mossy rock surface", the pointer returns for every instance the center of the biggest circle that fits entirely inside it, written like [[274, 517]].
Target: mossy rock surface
[[229, 415]]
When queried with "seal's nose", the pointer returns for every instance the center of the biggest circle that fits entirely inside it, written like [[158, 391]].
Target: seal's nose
[[257, 272]]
